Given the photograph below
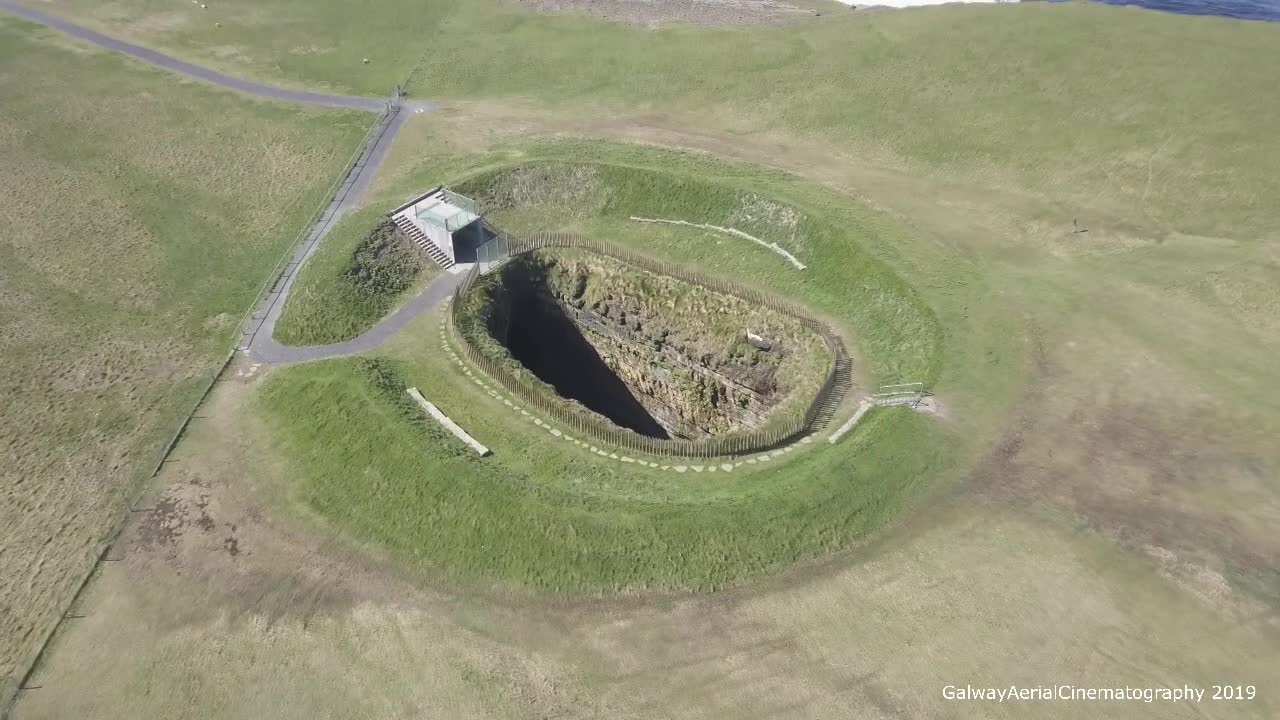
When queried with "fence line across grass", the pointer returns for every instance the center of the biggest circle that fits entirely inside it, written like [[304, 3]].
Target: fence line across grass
[[777, 432], [246, 320]]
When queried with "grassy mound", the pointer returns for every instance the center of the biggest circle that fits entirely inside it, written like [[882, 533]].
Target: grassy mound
[[355, 278], [554, 192], [543, 513]]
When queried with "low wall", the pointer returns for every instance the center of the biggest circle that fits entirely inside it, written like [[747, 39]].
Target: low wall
[[448, 424]]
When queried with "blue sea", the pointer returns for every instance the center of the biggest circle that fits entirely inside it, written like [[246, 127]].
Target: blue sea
[[1243, 9]]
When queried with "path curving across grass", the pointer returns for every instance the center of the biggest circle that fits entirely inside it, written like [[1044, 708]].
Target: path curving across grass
[[362, 271]]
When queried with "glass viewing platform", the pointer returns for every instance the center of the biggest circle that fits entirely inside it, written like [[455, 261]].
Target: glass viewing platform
[[451, 211]]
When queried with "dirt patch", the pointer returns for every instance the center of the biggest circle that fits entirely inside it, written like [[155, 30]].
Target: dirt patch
[[209, 523], [183, 507], [654, 13], [1138, 473]]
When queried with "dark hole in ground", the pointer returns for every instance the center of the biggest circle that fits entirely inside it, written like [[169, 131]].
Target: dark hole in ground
[[549, 344], [467, 241]]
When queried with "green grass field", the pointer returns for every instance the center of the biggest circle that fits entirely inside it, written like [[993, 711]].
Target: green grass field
[[351, 282], [547, 517], [1079, 103], [1099, 497], [844, 281], [142, 214]]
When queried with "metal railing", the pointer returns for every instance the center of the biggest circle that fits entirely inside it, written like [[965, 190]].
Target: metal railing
[[457, 199], [901, 394], [494, 252], [777, 431]]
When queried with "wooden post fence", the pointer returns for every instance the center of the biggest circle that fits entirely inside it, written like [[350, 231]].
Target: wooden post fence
[[776, 432]]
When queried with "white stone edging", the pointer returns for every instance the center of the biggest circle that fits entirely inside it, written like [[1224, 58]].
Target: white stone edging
[[449, 425], [775, 247], [863, 407]]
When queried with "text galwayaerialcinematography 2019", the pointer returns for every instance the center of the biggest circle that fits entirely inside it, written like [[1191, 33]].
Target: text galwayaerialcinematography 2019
[[1015, 693]]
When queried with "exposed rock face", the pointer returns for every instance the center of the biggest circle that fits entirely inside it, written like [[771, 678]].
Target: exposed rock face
[[689, 396], [699, 362]]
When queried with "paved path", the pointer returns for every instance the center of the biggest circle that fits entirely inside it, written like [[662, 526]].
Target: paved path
[[257, 340], [268, 351], [262, 324], [170, 63]]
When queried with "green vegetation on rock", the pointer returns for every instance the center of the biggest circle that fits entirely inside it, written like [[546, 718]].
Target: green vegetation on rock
[[680, 348]]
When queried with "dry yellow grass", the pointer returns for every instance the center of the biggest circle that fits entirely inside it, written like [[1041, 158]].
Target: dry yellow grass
[[140, 216], [227, 605]]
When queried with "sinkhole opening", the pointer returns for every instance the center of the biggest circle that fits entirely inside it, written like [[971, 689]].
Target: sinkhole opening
[[551, 346], [666, 358]]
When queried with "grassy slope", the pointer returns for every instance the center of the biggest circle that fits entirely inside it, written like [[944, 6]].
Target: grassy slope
[[1056, 98], [304, 627], [878, 307], [558, 519], [141, 217], [549, 519], [323, 306], [884, 634], [1148, 355]]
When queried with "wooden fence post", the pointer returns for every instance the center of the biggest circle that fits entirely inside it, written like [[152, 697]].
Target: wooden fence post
[[794, 424]]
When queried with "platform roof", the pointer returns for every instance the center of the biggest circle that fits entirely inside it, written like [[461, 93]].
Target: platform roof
[[441, 213]]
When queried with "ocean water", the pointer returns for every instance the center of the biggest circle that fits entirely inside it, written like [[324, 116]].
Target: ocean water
[[1243, 9]]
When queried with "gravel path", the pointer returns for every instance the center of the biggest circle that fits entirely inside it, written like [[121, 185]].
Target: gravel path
[[170, 63], [257, 340]]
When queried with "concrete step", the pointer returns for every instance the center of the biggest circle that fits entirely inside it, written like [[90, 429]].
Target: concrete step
[[420, 239]]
